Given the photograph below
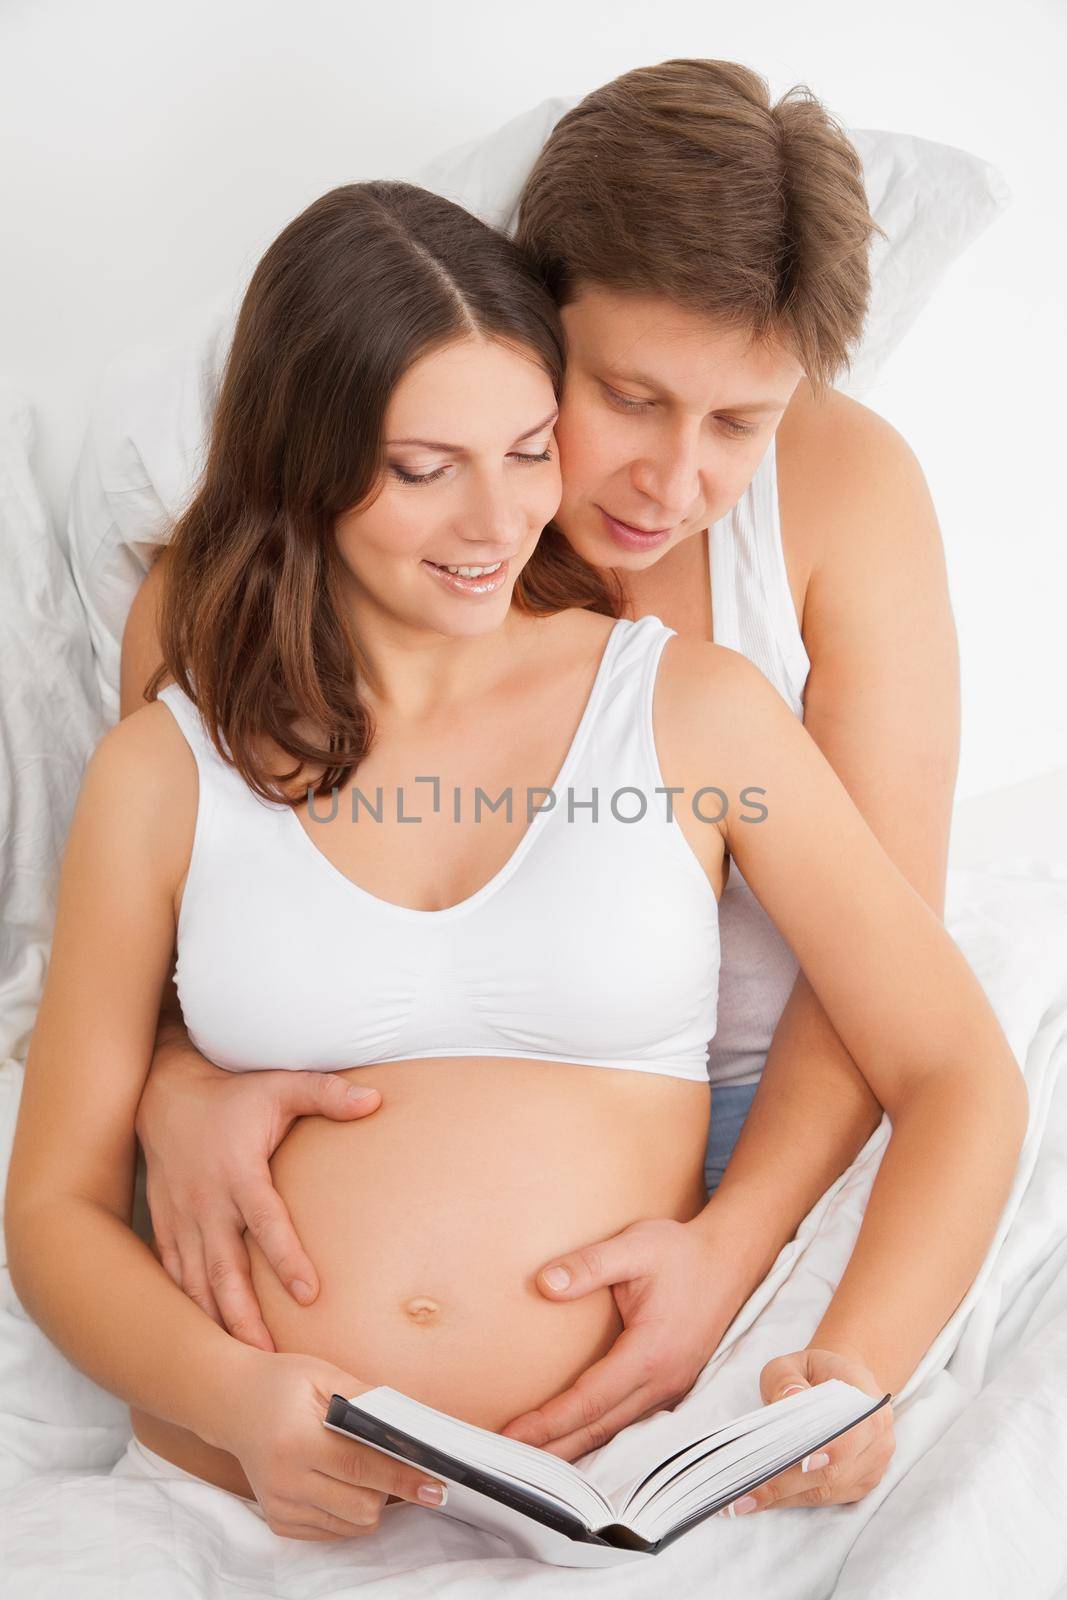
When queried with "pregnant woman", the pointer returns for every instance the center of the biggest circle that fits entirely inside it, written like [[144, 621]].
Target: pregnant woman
[[360, 601], [675, 212]]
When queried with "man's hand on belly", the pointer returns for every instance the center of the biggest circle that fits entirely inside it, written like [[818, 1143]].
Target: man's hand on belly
[[675, 1306], [208, 1137]]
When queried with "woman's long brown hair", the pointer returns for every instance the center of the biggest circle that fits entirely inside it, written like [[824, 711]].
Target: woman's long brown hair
[[253, 621]]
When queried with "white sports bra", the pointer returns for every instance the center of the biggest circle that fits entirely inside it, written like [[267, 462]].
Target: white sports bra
[[597, 942]]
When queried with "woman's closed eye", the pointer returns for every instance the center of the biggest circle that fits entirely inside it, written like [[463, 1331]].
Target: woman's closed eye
[[431, 477]]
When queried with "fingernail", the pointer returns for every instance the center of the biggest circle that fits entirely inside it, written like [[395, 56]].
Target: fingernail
[[301, 1290], [359, 1091], [749, 1503], [794, 1388], [556, 1277], [432, 1494], [813, 1463]]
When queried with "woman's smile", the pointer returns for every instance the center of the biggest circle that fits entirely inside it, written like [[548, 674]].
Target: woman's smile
[[470, 580]]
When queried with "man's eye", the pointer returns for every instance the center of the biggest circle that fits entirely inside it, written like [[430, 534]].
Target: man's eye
[[623, 401], [740, 429]]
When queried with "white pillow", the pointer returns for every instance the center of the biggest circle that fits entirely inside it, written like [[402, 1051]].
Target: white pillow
[[50, 720], [144, 446], [140, 459]]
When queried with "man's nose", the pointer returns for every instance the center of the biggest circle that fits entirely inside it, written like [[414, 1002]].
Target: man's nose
[[671, 477]]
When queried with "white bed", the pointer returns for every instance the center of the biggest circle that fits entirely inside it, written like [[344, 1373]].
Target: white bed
[[972, 1503]]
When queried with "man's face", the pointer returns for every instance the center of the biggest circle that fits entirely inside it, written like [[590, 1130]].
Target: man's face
[[665, 417]]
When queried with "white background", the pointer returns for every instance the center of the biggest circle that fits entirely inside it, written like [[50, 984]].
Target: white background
[[151, 154]]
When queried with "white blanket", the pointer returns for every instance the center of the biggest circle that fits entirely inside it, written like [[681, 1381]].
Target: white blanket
[[972, 1503]]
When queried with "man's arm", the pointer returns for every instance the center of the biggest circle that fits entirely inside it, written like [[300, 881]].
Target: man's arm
[[882, 702], [141, 654]]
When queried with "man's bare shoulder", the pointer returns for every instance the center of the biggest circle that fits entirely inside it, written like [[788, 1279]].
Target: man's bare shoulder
[[837, 427], [846, 480]]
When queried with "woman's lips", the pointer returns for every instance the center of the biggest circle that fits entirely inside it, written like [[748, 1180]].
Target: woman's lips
[[488, 583], [631, 538]]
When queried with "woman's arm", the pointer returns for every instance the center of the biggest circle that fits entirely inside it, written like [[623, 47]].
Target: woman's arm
[[882, 703], [80, 1271], [75, 1262], [815, 1110], [906, 1005], [207, 1134]]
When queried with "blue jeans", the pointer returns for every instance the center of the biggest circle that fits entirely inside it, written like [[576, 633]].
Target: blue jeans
[[730, 1103]]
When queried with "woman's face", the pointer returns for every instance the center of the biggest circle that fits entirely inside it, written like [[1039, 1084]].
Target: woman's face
[[665, 417], [471, 480]]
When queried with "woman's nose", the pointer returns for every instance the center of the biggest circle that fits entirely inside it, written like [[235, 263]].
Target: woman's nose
[[495, 518]]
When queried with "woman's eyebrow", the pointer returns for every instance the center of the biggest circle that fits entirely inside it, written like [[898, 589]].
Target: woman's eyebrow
[[458, 449], [540, 426]]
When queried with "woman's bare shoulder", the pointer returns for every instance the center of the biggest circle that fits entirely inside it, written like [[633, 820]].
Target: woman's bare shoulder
[[141, 783], [712, 705], [568, 644], [146, 741], [697, 677]]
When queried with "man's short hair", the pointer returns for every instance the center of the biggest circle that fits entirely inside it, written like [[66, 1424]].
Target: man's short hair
[[683, 180]]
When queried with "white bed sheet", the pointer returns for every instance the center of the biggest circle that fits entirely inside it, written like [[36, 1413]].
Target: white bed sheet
[[971, 1505]]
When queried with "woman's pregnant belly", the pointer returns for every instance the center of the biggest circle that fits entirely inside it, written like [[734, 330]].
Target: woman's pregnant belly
[[429, 1220]]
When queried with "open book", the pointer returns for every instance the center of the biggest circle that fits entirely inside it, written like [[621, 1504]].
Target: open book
[[549, 1510]]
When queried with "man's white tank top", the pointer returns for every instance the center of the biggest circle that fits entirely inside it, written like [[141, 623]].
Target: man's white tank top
[[753, 612]]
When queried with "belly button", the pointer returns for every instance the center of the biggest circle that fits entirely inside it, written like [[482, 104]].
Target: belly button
[[422, 1309]]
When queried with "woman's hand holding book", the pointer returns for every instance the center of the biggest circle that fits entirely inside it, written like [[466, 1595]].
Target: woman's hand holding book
[[855, 1463], [310, 1483]]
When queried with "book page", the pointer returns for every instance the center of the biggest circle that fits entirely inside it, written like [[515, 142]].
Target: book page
[[509, 1460], [730, 1463]]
